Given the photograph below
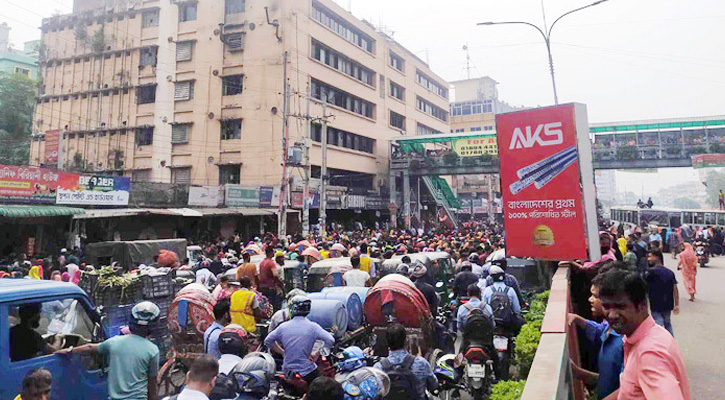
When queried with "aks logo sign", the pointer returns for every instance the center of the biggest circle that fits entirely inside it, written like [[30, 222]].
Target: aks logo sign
[[545, 135]]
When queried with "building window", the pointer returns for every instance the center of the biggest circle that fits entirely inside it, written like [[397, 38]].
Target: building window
[[234, 6], [180, 133], [230, 174], [430, 109], [397, 120], [397, 91], [488, 128], [150, 18], [22, 71], [472, 107], [430, 84], [141, 176], [184, 90], [183, 50], [342, 28], [459, 130], [181, 175], [342, 99], [232, 85], [475, 129], [148, 57], [146, 94], [337, 137], [426, 130], [234, 41], [145, 136], [342, 63], [187, 11], [231, 129], [397, 62]]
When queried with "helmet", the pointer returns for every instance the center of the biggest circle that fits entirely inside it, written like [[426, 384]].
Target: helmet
[[444, 366], [496, 273], [145, 314], [299, 306], [419, 270], [466, 266], [254, 372], [354, 359], [402, 269], [473, 258], [233, 340], [295, 292], [366, 384]]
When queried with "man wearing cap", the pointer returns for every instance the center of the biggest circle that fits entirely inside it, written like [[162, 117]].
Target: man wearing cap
[[418, 276]]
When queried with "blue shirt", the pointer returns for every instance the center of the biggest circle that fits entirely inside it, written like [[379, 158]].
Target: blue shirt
[[611, 355], [133, 361], [297, 336], [211, 340], [510, 281], [420, 368], [463, 311], [510, 292]]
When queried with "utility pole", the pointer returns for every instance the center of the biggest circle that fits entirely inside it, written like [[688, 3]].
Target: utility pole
[[282, 217], [308, 171], [323, 173]]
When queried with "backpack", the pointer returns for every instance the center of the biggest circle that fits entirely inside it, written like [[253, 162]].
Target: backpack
[[503, 311], [403, 384], [224, 388], [479, 326]]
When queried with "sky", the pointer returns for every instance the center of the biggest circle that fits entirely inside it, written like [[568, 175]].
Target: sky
[[624, 59]]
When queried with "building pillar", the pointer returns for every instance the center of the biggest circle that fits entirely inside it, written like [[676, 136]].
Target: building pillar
[[393, 205], [406, 198]]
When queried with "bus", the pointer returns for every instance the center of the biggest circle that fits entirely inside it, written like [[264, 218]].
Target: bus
[[668, 217]]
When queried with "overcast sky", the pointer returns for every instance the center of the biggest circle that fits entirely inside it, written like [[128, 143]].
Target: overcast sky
[[625, 59]]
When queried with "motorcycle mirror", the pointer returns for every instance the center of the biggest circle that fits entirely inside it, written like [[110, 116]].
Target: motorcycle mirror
[[439, 284]]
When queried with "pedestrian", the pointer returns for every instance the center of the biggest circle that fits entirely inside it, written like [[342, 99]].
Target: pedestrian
[[325, 388], [248, 269], [662, 290], [653, 364], [222, 318], [269, 283], [245, 306], [630, 259], [356, 277], [409, 375], [134, 360], [675, 239], [36, 385], [200, 379], [688, 265], [721, 199]]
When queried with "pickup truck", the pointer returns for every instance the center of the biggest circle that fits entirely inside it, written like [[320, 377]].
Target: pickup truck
[[66, 314]]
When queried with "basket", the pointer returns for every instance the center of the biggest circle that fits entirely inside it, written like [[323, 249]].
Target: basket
[[155, 286], [164, 304], [88, 283], [113, 296], [117, 317]]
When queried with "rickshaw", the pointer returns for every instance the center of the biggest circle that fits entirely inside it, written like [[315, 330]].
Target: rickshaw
[[389, 266], [327, 272]]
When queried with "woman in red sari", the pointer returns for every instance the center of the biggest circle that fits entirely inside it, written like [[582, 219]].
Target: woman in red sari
[[688, 265]]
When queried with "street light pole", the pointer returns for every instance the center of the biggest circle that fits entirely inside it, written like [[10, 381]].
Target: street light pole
[[546, 34]]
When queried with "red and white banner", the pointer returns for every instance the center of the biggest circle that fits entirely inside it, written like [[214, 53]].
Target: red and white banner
[[545, 159], [52, 148]]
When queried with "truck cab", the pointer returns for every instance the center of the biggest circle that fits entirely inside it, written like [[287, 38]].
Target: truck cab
[[63, 316]]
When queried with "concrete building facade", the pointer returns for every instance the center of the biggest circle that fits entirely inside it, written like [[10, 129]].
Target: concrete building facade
[[12, 61], [192, 92]]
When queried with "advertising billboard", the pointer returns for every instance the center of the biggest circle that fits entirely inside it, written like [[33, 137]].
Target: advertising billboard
[[241, 196], [28, 184], [93, 190], [52, 147], [548, 183], [708, 160], [205, 196], [474, 147]]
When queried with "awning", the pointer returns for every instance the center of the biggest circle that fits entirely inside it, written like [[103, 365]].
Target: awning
[[255, 212], [210, 212], [38, 211], [111, 213], [186, 212]]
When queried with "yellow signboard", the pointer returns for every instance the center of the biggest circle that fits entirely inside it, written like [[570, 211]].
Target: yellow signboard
[[474, 147]]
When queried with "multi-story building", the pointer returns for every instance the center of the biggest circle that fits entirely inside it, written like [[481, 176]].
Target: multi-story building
[[12, 61], [192, 92]]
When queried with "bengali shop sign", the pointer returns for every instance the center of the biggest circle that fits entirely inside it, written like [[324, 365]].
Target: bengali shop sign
[[52, 147], [205, 196], [93, 190], [28, 184], [242, 196], [708, 160], [474, 147], [547, 183]]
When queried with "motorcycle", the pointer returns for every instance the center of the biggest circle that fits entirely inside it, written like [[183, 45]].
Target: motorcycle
[[703, 256], [504, 344], [478, 370]]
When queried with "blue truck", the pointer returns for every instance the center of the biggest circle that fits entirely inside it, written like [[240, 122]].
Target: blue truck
[[67, 318]]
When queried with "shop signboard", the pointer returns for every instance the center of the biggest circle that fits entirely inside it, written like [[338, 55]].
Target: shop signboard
[[313, 198], [52, 147], [93, 190], [265, 196], [205, 196], [474, 147], [241, 196], [28, 184], [354, 201], [708, 160], [548, 183], [374, 203]]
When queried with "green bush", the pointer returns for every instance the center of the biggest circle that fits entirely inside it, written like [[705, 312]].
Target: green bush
[[526, 344], [538, 307], [626, 152], [508, 390]]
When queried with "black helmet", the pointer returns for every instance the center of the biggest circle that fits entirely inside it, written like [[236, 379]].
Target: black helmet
[[300, 306], [233, 340]]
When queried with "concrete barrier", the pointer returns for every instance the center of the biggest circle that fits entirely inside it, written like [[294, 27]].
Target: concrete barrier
[[550, 377]]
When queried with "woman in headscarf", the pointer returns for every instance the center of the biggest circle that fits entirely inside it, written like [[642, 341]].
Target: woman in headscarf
[[688, 265], [65, 277], [55, 276], [34, 272], [76, 277]]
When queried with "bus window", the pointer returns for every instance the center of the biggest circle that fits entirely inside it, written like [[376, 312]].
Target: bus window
[[709, 219], [720, 219], [699, 218], [687, 217]]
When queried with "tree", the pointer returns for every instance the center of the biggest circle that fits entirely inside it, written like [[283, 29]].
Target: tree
[[17, 99], [686, 203]]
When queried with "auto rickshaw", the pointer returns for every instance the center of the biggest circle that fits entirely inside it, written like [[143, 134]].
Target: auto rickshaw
[[443, 269], [389, 266], [327, 272], [292, 273]]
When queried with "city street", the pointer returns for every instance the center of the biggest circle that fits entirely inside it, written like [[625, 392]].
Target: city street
[[699, 330]]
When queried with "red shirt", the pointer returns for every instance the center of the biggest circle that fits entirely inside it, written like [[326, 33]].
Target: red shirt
[[653, 366], [267, 278]]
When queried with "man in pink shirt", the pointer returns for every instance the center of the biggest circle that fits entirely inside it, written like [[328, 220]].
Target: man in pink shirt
[[653, 366]]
